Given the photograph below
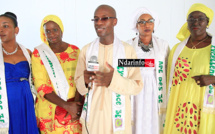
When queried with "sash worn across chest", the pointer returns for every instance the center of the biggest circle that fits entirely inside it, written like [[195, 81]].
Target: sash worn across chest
[[118, 101], [54, 71]]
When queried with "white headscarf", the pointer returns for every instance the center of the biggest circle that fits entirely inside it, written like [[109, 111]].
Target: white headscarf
[[140, 11]]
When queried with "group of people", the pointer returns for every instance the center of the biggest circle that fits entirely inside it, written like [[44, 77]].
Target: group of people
[[51, 90]]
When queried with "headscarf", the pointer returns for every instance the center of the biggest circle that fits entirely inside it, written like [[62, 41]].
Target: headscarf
[[140, 11], [48, 18], [184, 32]]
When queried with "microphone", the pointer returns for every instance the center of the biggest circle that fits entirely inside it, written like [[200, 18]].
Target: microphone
[[93, 65]]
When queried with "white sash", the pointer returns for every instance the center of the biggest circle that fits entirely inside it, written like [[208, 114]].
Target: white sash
[[54, 70], [160, 66], [209, 100], [4, 115], [118, 101]]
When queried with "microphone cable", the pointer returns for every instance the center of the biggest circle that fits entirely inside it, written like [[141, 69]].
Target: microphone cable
[[93, 65], [87, 108]]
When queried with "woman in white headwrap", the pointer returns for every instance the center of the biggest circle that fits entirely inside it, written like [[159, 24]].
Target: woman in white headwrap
[[150, 104]]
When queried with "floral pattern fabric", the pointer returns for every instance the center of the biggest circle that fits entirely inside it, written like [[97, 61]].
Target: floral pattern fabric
[[184, 115], [45, 110]]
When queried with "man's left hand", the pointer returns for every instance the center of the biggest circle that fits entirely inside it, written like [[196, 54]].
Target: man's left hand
[[104, 79]]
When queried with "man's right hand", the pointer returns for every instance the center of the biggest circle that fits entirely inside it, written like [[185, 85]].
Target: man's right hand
[[88, 76]]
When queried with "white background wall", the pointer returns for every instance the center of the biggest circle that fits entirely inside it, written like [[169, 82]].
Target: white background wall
[[77, 14]]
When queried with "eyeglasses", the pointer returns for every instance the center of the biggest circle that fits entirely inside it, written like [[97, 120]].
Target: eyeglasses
[[142, 22], [192, 20], [103, 19]]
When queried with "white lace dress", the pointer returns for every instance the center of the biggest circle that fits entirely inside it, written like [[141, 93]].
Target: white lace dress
[[145, 107]]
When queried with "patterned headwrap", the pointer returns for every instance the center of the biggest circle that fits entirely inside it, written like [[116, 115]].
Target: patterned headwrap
[[48, 18], [184, 32], [140, 11]]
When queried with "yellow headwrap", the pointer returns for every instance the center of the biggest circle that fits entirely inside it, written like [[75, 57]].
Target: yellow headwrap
[[184, 32], [48, 18]]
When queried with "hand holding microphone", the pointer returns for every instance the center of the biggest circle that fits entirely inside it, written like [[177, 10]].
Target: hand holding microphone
[[92, 66]]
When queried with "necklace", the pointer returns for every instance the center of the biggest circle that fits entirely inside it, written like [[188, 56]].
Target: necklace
[[145, 48], [194, 46], [7, 53]]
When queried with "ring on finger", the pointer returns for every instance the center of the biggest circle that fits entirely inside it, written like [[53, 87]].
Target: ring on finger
[[198, 82]]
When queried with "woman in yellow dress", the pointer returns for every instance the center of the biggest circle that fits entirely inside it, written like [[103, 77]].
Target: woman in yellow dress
[[53, 65], [191, 76]]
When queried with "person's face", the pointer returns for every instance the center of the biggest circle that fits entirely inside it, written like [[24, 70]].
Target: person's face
[[53, 32], [148, 27], [197, 23], [7, 30], [104, 28]]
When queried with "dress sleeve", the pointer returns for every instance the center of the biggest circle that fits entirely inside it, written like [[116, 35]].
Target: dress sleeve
[[41, 79], [79, 73], [132, 84]]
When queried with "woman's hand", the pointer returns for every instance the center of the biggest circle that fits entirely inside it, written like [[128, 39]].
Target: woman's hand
[[74, 109], [204, 80]]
